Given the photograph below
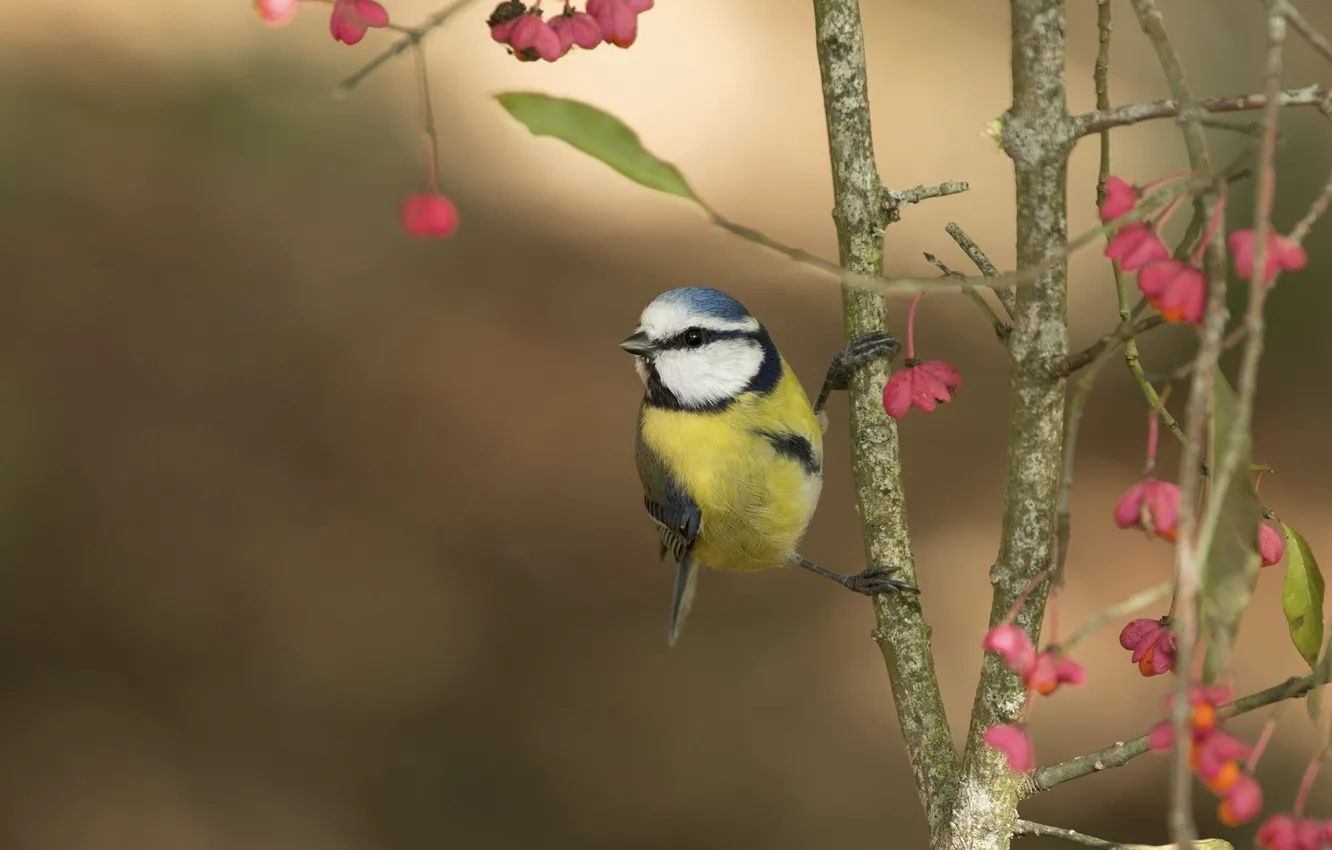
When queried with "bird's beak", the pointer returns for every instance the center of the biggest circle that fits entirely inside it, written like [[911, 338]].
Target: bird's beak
[[638, 344]]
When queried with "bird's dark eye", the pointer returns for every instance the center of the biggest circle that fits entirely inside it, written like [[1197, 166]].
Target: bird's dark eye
[[694, 337]]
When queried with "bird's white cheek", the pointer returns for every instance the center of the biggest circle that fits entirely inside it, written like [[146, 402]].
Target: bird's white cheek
[[640, 366]]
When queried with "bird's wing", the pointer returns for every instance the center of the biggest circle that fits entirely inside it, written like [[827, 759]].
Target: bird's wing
[[674, 512]]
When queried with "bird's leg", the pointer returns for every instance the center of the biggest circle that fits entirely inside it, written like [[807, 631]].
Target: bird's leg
[[871, 582], [857, 353]]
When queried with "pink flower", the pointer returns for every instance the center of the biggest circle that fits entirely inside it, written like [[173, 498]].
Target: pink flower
[[1152, 643], [1271, 544], [1217, 756], [1202, 722], [429, 214], [1175, 288], [1281, 254], [1152, 506], [1049, 672], [618, 19], [1242, 803], [1277, 833], [1013, 742], [1041, 673], [1136, 245], [1120, 198], [351, 18], [1013, 644], [275, 13], [920, 385], [1312, 834], [532, 37], [501, 20], [576, 28]]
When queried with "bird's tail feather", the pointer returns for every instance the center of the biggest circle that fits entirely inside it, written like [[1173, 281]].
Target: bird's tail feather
[[686, 581]]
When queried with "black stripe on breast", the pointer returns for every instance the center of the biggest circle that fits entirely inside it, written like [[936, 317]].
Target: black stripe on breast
[[794, 446]]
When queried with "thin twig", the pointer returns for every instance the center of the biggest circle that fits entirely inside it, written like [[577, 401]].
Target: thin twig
[[1187, 564], [1239, 438], [1123, 752], [1001, 328], [1141, 599], [1307, 31], [1320, 203], [413, 35], [1126, 331], [1122, 116], [977, 256], [894, 200], [1026, 827]]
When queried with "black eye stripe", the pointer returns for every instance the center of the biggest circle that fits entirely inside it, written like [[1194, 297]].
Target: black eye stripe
[[680, 340]]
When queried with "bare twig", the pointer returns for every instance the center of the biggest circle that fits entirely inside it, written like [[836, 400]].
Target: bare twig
[[1122, 752], [1320, 203], [900, 629], [412, 35], [977, 256], [1122, 116], [1127, 330], [1037, 136], [1026, 827], [1307, 31], [1187, 563], [1001, 328], [894, 200]]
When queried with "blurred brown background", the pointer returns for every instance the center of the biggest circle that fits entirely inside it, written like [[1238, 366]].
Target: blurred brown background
[[313, 536]]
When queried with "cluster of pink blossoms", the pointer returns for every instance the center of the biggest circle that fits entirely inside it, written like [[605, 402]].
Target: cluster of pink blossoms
[[1215, 755], [1176, 288], [1153, 506], [1042, 673], [1289, 832], [425, 214], [531, 37]]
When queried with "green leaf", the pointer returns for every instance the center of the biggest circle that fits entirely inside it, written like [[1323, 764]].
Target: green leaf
[[1302, 597], [1233, 564], [597, 134]]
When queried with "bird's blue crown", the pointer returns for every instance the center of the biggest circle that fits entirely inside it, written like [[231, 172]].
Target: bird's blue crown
[[703, 301]]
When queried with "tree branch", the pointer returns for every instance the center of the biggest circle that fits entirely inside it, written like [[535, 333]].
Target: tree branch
[[1001, 328], [1026, 827], [1123, 752], [1187, 563], [411, 36], [894, 200], [1307, 31], [977, 256], [1101, 120], [1126, 331], [901, 631], [1038, 136]]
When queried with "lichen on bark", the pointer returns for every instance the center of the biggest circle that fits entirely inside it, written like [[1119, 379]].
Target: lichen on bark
[[1038, 136], [900, 630]]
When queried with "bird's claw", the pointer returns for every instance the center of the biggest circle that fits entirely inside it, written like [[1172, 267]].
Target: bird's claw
[[862, 350], [879, 580]]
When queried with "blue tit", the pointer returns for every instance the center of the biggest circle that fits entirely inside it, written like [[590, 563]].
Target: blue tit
[[730, 451]]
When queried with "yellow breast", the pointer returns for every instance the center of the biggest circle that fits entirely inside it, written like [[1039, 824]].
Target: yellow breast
[[756, 501]]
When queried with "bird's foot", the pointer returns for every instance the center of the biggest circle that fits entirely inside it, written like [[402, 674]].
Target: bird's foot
[[871, 582], [858, 352], [878, 580]]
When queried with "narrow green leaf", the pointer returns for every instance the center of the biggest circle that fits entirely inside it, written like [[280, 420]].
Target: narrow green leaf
[[1231, 571], [1302, 597], [597, 134]]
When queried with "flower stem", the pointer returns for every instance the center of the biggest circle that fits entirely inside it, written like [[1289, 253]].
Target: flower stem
[[911, 327], [1306, 784], [427, 117]]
